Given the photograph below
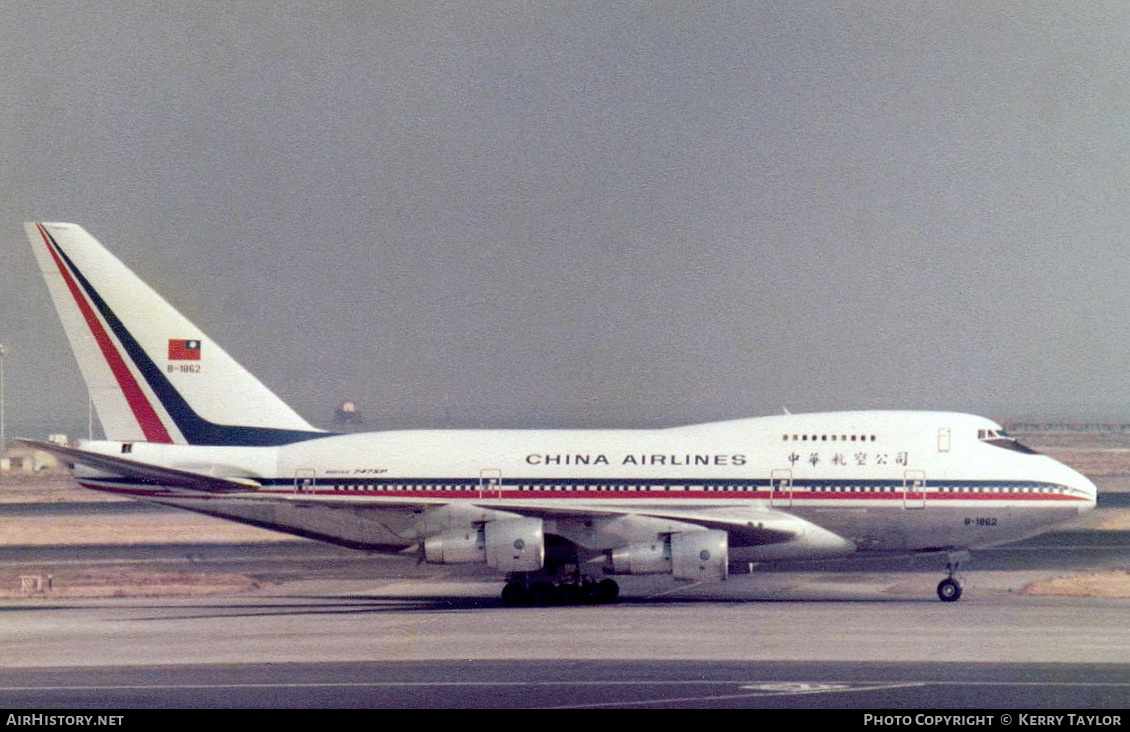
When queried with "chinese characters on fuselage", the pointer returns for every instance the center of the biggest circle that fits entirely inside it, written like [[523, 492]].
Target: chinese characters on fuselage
[[634, 459]]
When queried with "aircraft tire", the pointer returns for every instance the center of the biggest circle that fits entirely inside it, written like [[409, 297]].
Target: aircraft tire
[[607, 591], [515, 595], [543, 593], [949, 590], [568, 594]]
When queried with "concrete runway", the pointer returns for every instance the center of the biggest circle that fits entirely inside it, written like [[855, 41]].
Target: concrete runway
[[420, 645], [556, 684], [339, 629]]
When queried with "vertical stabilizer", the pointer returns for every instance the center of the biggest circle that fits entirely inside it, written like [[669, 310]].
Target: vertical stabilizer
[[153, 375]]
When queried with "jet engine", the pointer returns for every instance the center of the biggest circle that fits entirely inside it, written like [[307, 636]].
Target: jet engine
[[649, 557], [692, 555], [456, 547], [511, 545], [515, 545]]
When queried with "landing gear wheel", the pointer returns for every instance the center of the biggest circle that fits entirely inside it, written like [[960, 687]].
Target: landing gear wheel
[[568, 594], [949, 590], [606, 591], [599, 593], [543, 593], [515, 595], [521, 592]]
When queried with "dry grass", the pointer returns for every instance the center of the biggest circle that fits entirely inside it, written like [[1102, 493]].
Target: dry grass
[[1095, 584], [175, 527], [49, 488]]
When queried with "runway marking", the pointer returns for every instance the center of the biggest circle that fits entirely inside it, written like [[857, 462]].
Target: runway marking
[[359, 684], [797, 686], [776, 689], [769, 687], [763, 690], [673, 590]]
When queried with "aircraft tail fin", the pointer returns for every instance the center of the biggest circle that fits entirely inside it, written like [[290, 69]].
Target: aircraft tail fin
[[153, 375]]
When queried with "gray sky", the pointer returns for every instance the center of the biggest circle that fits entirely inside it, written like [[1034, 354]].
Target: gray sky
[[577, 214]]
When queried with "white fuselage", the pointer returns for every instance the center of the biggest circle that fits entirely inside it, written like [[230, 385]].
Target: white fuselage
[[188, 426], [875, 481]]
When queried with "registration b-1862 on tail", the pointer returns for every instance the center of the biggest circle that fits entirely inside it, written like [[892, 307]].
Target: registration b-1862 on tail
[[558, 512]]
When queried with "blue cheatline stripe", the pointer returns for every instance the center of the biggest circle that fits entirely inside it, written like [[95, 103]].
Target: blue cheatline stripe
[[443, 489], [805, 484], [196, 429], [971, 489]]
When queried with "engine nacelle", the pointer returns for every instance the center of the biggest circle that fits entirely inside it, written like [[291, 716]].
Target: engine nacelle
[[694, 555], [515, 545], [700, 555], [512, 545], [642, 558], [456, 547]]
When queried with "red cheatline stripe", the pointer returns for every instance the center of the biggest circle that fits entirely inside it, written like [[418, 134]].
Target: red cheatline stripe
[[151, 425], [473, 494]]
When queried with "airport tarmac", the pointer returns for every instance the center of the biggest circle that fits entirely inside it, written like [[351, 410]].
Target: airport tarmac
[[318, 632], [436, 643], [323, 627]]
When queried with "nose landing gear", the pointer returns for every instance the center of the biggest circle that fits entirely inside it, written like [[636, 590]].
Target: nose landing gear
[[949, 589]]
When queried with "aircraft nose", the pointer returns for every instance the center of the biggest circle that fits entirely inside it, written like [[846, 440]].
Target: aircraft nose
[[1078, 485], [1083, 484]]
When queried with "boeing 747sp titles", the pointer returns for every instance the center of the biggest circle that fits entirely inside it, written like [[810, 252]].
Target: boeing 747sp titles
[[554, 510]]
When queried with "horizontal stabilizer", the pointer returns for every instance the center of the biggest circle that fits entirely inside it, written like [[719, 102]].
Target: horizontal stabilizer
[[169, 477]]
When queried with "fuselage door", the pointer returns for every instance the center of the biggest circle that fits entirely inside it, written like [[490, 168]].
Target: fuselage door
[[490, 483], [781, 488], [914, 489], [305, 480]]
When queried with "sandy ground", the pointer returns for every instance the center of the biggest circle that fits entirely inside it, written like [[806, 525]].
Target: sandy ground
[[103, 583], [49, 487], [1103, 457], [1095, 584], [174, 527]]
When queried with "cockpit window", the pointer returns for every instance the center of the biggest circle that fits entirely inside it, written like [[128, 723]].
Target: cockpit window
[[1000, 438]]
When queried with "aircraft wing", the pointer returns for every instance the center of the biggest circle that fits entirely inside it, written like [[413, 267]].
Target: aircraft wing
[[746, 526], [127, 468]]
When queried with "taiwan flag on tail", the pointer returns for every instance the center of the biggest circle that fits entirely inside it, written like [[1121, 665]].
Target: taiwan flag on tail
[[181, 349]]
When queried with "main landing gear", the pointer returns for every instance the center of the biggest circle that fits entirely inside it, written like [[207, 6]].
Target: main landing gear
[[949, 589], [520, 591]]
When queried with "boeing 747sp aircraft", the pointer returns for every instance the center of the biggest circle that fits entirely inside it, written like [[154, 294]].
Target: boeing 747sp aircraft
[[554, 510]]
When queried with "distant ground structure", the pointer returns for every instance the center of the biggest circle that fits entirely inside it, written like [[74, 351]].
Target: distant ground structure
[[1018, 425], [20, 459], [347, 415]]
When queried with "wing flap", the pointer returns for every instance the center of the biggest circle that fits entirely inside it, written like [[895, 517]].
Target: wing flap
[[747, 526]]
